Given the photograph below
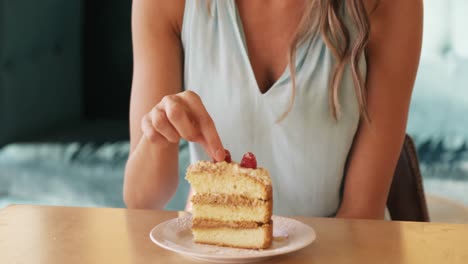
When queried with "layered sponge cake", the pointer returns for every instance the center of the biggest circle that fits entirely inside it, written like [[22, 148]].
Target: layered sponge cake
[[232, 205]]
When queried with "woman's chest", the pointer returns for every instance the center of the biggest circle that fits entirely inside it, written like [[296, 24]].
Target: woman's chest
[[267, 39]]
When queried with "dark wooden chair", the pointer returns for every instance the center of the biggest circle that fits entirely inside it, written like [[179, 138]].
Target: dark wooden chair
[[406, 199]]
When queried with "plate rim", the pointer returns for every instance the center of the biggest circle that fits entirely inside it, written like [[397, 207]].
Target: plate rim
[[208, 256]]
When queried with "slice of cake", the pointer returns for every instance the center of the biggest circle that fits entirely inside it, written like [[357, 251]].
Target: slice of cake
[[232, 205]]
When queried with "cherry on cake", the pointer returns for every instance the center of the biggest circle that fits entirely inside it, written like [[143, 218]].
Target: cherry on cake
[[233, 203]]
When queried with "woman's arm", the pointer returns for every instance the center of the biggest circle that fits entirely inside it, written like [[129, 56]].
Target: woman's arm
[[152, 169], [160, 113], [393, 56]]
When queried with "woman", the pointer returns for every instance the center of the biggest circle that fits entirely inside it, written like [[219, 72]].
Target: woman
[[306, 85]]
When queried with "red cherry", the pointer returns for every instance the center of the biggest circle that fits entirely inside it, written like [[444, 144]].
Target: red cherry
[[249, 161], [228, 156]]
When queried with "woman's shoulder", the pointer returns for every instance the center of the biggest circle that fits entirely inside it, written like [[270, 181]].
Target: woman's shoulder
[[164, 12], [373, 7]]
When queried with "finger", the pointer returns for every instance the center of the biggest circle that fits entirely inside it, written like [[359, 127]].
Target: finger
[[148, 130], [161, 124], [211, 139], [180, 118]]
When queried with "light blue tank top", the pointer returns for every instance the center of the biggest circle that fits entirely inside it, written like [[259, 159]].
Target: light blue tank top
[[307, 151]]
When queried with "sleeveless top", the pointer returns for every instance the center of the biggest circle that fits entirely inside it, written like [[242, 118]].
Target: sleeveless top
[[306, 152]]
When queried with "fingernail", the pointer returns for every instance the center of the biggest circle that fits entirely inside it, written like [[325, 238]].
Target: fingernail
[[220, 154]]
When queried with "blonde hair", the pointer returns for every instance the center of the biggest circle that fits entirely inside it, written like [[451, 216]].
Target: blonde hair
[[327, 17]]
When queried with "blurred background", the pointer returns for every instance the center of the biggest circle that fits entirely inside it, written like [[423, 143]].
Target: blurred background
[[65, 80]]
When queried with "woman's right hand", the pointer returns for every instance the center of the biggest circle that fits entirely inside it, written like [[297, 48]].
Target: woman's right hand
[[183, 116]]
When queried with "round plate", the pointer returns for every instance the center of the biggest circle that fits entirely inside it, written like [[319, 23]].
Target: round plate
[[289, 235]]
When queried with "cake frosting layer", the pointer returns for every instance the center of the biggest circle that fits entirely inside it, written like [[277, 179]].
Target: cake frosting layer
[[203, 223], [226, 199]]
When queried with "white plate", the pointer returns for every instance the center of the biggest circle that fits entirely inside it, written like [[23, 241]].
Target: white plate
[[175, 235]]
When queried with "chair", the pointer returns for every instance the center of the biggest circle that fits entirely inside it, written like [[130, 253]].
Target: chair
[[406, 199]]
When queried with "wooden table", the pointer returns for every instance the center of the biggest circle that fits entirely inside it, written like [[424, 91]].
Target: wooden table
[[35, 234]]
